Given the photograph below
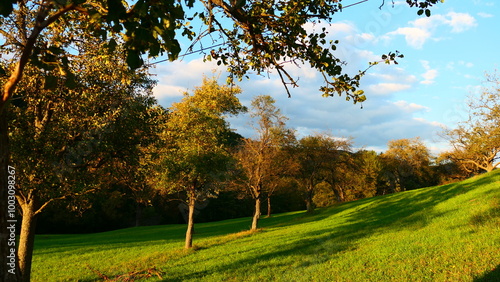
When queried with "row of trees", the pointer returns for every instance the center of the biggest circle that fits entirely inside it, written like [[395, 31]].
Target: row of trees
[[70, 147], [44, 35], [136, 150]]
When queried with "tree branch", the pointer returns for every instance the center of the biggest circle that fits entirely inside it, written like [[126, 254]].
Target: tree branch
[[41, 22]]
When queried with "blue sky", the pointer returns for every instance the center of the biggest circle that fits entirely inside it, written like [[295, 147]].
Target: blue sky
[[446, 57]]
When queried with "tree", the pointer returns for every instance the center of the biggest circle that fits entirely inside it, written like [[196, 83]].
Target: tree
[[407, 164], [367, 170], [197, 159], [26, 28], [319, 156], [64, 139], [476, 141], [258, 158]]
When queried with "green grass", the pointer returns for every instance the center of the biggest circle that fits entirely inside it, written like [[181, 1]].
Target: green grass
[[445, 233]]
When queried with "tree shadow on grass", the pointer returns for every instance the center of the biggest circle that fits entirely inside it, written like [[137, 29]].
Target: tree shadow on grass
[[412, 211], [490, 276]]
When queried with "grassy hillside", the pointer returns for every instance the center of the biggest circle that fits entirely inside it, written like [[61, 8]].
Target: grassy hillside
[[445, 233]]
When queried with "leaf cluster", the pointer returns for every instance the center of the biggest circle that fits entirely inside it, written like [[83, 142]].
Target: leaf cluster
[[197, 136]]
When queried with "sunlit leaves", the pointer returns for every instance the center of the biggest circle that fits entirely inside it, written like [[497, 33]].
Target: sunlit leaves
[[476, 141], [272, 35], [196, 134]]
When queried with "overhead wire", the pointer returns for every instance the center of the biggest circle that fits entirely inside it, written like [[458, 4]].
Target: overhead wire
[[220, 44]]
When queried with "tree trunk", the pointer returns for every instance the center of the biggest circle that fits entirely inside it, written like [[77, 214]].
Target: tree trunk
[[309, 200], [339, 193], [256, 215], [27, 238], [489, 166], [5, 266], [138, 214], [268, 206], [190, 227]]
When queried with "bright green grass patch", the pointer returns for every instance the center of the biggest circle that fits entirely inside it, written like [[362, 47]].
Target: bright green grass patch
[[445, 233]]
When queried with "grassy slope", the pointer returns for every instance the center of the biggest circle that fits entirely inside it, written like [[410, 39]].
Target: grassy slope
[[445, 233]]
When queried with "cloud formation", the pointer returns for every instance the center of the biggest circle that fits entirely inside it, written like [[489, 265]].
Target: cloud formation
[[430, 74], [421, 30]]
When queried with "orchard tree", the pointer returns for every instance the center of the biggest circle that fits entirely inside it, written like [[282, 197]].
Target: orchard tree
[[66, 133], [197, 159], [367, 169], [259, 158], [319, 157], [42, 38], [476, 141], [406, 165], [345, 176], [258, 36]]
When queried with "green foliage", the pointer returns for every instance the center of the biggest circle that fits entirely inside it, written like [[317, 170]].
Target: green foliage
[[264, 160], [197, 137], [406, 166], [260, 36], [65, 136], [440, 233]]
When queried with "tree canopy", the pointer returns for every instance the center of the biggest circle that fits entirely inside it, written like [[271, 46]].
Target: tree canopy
[[197, 158], [476, 141]]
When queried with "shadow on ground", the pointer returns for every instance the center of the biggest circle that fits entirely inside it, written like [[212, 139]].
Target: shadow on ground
[[361, 219], [490, 276]]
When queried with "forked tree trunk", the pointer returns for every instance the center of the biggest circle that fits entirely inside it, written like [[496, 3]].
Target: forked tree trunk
[[256, 215], [27, 239], [339, 193], [190, 227]]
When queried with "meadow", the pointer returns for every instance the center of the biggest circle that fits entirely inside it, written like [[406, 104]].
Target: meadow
[[442, 233]]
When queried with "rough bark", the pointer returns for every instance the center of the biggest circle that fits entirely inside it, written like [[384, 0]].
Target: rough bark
[[27, 238], [256, 215]]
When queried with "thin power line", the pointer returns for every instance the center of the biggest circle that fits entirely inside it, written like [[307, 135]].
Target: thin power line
[[189, 53], [220, 44]]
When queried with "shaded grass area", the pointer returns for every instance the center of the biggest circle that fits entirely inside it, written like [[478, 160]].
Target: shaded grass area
[[445, 233]]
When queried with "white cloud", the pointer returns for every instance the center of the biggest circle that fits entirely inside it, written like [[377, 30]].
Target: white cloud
[[460, 22], [387, 88], [415, 37], [430, 74], [333, 29], [410, 107], [466, 64], [421, 30], [453, 65], [177, 77], [484, 15], [393, 74], [341, 27], [162, 91], [433, 123], [378, 122]]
